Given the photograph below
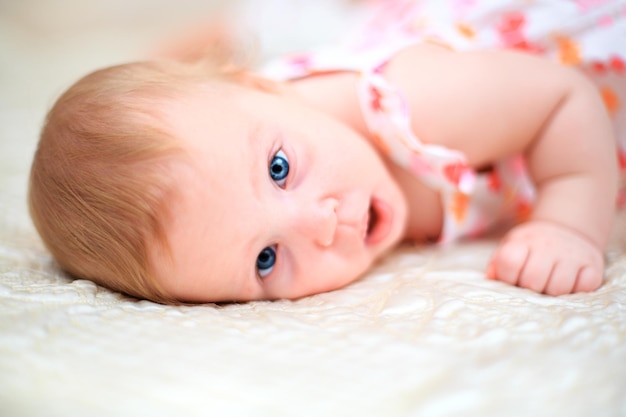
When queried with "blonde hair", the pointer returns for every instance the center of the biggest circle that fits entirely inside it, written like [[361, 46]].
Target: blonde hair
[[101, 174]]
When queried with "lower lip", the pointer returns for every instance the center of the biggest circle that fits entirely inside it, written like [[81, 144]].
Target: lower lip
[[384, 217]]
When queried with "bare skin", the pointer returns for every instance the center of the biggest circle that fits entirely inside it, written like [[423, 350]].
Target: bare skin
[[500, 104]]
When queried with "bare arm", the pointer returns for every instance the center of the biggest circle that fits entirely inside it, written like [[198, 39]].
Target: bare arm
[[494, 104]]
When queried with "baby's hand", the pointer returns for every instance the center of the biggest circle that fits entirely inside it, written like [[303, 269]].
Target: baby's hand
[[547, 258]]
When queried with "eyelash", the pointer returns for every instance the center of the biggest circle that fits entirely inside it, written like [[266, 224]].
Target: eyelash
[[278, 170]]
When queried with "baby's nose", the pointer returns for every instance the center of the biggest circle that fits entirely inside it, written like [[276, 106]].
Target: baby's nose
[[318, 221]]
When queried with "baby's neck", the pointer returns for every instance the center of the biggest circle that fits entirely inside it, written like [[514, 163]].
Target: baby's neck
[[425, 207], [334, 93]]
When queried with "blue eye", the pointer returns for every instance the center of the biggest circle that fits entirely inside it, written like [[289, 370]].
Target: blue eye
[[279, 168], [265, 261]]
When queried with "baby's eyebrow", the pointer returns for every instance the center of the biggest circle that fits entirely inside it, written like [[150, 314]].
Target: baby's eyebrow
[[255, 141]]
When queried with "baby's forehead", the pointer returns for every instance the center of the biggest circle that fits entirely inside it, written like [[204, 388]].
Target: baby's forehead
[[204, 236]]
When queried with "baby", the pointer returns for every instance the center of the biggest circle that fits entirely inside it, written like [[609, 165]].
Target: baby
[[204, 182]]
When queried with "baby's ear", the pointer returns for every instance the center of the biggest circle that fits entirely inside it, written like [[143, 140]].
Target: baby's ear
[[255, 81]]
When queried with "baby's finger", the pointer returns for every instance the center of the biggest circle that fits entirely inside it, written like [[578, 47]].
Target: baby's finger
[[589, 279], [509, 261], [562, 279], [536, 272]]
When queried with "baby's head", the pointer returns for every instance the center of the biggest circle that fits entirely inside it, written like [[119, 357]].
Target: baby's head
[[177, 184], [100, 177]]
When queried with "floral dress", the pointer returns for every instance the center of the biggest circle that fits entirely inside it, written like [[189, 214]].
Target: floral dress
[[588, 34]]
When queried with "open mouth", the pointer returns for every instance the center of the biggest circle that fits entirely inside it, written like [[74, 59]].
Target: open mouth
[[371, 220], [379, 222]]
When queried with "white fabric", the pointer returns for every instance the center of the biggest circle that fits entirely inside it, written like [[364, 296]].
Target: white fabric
[[423, 334]]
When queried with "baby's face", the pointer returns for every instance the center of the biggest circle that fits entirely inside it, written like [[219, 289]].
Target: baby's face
[[279, 200]]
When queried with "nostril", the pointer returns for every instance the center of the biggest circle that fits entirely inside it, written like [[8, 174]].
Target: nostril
[[333, 203], [328, 224]]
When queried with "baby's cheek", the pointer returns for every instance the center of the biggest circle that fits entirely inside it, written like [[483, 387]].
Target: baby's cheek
[[336, 275]]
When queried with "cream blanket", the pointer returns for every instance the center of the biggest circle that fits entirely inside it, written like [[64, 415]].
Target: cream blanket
[[423, 334]]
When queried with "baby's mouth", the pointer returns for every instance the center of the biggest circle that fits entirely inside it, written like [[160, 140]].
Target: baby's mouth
[[379, 221], [371, 220]]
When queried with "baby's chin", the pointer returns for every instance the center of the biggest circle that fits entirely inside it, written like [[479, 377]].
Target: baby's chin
[[362, 274]]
